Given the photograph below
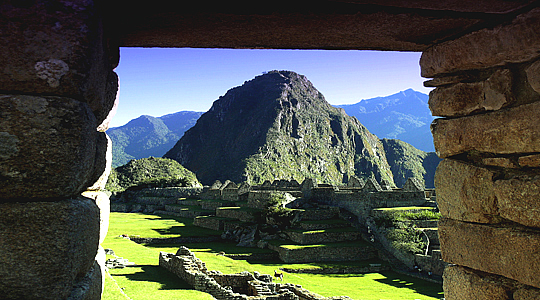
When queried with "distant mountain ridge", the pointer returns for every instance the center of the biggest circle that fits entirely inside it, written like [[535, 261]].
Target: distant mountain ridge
[[404, 116], [278, 126], [148, 136]]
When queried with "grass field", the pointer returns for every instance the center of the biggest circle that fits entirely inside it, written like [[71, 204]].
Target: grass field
[[146, 280]]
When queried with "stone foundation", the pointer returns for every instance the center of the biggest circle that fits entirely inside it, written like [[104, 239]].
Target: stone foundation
[[487, 190]]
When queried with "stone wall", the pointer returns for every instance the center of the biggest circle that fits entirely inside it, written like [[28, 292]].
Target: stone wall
[[488, 95], [236, 213], [58, 89]]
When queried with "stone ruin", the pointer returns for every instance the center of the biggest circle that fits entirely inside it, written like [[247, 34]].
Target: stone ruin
[[59, 89], [240, 286]]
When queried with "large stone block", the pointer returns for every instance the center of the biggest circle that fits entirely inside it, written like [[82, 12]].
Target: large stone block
[[518, 200], [48, 147], [46, 247], [527, 293], [57, 48], [516, 42], [465, 192], [504, 250], [511, 130], [461, 99], [460, 283], [104, 204]]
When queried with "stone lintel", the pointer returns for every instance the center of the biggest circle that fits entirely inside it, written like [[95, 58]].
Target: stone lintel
[[505, 250]]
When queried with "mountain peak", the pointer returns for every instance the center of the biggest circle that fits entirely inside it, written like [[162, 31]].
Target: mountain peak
[[278, 126]]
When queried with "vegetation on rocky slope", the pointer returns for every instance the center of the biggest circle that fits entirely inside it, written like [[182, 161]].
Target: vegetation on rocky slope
[[406, 161], [150, 172], [278, 126]]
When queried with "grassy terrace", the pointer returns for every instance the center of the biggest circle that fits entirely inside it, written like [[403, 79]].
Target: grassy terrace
[[146, 280], [288, 245]]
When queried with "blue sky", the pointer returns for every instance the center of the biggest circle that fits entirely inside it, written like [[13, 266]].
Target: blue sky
[[158, 81]]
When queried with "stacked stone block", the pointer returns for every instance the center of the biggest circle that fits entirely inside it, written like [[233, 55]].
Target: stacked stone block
[[488, 95], [58, 88]]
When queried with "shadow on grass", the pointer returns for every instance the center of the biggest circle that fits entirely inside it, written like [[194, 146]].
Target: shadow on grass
[[187, 229], [150, 273], [213, 247], [418, 285]]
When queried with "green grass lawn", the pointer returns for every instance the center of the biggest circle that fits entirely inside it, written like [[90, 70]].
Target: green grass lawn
[[153, 226], [147, 280]]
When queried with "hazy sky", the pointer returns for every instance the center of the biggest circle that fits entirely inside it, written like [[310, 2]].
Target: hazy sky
[[158, 81]]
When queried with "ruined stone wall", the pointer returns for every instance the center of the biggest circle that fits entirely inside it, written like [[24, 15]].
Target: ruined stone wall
[[239, 286], [488, 188], [58, 88]]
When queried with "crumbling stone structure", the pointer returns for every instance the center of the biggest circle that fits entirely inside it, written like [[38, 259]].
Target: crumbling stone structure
[[58, 89], [240, 286]]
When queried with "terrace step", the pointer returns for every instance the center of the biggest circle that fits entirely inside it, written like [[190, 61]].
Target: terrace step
[[211, 222], [411, 209], [319, 213], [187, 211], [154, 200], [188, 202], [350, 251], [238, 213], [323, 224], [323, 236]]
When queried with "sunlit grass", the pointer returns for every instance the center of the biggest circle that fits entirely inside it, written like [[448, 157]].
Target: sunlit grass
[[147, 280]]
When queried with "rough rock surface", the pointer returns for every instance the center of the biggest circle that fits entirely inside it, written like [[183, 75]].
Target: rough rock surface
[[518, 200], [465, 192], [61, 50], [51, 243], [49, 147], [508, 251], [465, 98], [465, 284], [511, 130]]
